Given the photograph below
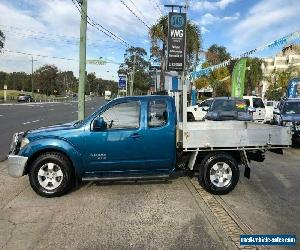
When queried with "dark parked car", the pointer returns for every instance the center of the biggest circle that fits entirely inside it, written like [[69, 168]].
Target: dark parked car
[[229, 108], [287, 113], [24, 98]]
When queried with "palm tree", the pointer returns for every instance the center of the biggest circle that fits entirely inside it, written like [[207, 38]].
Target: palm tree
[[159, 37]]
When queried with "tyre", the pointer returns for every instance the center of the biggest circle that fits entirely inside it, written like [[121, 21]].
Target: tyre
[[190, 117], [51, 175], [219, 173]]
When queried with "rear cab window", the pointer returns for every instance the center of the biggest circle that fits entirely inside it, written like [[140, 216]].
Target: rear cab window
[[247, 101], [258, 103], [157, 113]]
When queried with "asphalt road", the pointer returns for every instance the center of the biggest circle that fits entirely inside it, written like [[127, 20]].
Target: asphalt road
[[177, 214], [24, 116]]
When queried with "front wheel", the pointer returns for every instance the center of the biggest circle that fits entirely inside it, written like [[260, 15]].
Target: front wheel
[[51, 175], [219, 173]]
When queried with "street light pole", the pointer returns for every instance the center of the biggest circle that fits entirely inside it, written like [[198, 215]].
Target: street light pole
[[82, 60]]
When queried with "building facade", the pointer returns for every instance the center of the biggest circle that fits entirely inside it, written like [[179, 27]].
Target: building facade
[[289, 56]]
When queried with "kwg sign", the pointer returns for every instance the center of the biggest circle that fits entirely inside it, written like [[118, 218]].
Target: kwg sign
[[176, 33]]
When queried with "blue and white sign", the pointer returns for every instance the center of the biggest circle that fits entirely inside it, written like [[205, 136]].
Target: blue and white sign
[[292, 89], [122, 82]]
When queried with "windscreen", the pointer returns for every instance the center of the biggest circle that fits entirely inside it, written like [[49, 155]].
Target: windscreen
[[291, 108], [229, 105]]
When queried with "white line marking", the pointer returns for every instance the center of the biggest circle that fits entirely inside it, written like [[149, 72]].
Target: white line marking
[[24, 123], [1, 115]]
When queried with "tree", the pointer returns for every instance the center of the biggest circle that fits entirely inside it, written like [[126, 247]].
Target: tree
[[159, 35], [254, 75], [66, 82], [216, 54], [91, 83], [141, 76], [45, 79], [2, 39], [219, 82]]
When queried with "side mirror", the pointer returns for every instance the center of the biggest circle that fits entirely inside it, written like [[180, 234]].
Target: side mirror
[[99, 124], [205, 108], [251, 109], [276, 112]]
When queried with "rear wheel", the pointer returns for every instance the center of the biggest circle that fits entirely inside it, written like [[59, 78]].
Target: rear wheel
[[51, 175], [219, 173]]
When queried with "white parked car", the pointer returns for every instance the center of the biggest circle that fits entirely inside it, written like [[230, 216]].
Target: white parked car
[[259, 115], [196, 113]]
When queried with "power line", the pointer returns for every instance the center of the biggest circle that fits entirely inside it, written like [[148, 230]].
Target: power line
[[107, 32], [49, 39], [52, 57], [156, 7], [48, 36], [134, 13], [141, 13], [38, 55]]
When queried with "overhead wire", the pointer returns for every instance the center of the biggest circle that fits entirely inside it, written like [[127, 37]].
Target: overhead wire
[[52, 57], [102, 29], [155, 5], [134, 14], [50, 36], [140, 12]]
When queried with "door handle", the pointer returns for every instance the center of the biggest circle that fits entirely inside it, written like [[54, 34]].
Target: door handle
[[135, 136]]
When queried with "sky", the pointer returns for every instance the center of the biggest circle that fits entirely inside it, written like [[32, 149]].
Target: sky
[[51, 28]]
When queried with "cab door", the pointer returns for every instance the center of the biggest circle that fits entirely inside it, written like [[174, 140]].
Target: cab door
[[160, 136], [118, 149]]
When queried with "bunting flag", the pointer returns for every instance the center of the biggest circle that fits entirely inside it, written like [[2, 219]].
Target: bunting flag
[[279, 42]]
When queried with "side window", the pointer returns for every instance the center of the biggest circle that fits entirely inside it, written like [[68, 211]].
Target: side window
[[258, 103], [247, 102], [157, 113], [123, 116]]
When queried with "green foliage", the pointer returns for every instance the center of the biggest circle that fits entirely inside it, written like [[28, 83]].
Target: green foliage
[[273, 94], [45, 79], [254, 75], [50, 81], [216, 54], [141, 76]]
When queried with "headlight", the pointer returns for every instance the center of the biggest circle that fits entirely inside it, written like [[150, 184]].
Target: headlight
[[24, 142], [14, 142], [287, 124]]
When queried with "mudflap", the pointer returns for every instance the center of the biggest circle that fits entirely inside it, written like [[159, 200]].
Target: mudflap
[[246, 163], [247, 172]]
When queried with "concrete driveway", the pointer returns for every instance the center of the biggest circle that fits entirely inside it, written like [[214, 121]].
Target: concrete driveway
[[177, 214]]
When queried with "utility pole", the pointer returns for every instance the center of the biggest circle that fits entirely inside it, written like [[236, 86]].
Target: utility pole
[[133, 72], [82, 60], [32, 76]]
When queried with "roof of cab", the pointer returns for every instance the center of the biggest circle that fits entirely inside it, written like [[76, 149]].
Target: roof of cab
[[144, 97]]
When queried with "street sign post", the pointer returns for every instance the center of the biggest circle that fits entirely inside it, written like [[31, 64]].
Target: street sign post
[[123, 83], [176, 41]]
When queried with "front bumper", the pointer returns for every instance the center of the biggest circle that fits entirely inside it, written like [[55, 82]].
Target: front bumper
[[16, 165]]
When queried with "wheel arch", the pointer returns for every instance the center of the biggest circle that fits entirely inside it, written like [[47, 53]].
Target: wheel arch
[[44, 146], [204, 154]]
